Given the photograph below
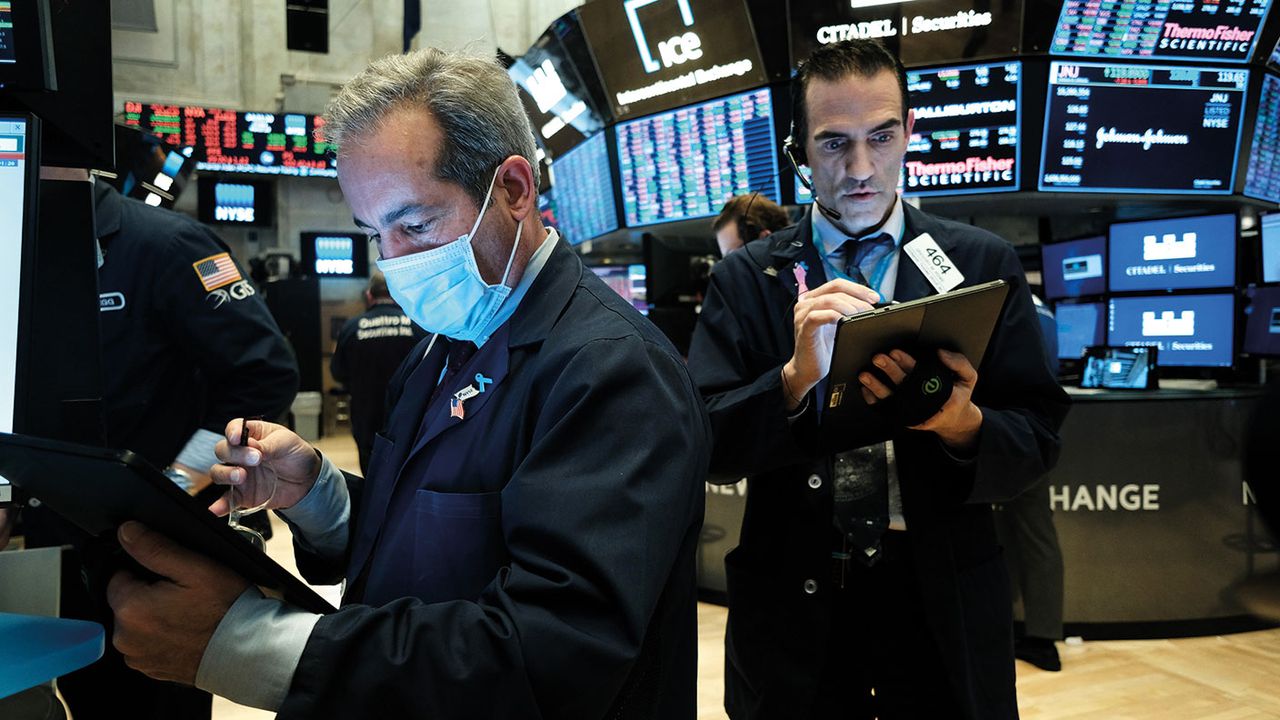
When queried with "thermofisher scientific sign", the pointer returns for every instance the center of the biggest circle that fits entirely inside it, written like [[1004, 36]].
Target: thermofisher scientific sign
[[921, 31], [659, 54], [965, 139], [1141, 128], [1223, 30]]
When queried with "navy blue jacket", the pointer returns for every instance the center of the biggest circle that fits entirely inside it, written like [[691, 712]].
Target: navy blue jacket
[[534, 558], [777, 632]]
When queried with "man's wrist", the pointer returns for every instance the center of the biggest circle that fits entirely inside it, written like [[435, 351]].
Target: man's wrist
[[965, 438], [793, 389]]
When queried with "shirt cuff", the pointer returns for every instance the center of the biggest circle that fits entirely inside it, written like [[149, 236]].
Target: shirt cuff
[[959, 457], [253, 654], [322, 516], [198, 454]]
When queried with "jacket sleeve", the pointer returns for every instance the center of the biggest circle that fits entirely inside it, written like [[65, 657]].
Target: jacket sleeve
[[228, 334], [742, 385], [594, 519], [1022, 404]]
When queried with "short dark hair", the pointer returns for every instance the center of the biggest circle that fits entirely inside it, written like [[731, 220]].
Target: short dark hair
[[864, 58], [378, 285], [752, 213]]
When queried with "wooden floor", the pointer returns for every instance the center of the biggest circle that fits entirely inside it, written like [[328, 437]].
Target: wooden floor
[[1235, 677]]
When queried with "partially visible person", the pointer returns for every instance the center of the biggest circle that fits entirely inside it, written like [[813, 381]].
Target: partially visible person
[[370, 348], [517, 550], [1031, 549], [187, 345], [745, 218], [6, 527]]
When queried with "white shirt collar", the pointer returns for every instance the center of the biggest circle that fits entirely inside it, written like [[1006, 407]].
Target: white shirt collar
[[828, 238]]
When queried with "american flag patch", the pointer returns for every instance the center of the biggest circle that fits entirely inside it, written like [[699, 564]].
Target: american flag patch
[[216, 271]]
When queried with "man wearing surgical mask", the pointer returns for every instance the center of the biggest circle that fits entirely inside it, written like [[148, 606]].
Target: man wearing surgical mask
[[523, 543]]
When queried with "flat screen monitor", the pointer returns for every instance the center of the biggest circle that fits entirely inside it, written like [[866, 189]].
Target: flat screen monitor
[[582, 179], [26, 46], [920, 31], [1079, 326], [555, 95], [1127, 368], [1262, 321], [965, 138], [335, 254], [1274, 60], [236, 202], [1262, 179], [627, 281], [659, 54], [686, 163], [1216, 30], [1075, 268], [231, 141], [1189, 330], [1270, 247], [18, 170], [1173, 254], [1141, 128]]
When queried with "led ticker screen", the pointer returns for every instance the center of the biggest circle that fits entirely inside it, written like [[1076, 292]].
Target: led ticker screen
[[686, 163], [1173, 254], [1222, 30], [1079, 326], [1262, 178], [1136, 128], [1262, 321], [583, 183], [1189, 330], [8, 53], [1075, 268], [965, 138], [240, 142], [919, 31]]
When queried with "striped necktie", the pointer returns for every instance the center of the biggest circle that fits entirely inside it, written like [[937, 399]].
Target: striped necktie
[[862, 256]]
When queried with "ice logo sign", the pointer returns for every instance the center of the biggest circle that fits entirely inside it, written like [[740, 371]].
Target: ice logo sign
[[1184, 325], [673, 51], [1169, 247]]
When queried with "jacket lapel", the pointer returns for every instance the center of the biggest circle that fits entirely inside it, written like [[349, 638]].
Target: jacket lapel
[[490, 362], [912, 283]]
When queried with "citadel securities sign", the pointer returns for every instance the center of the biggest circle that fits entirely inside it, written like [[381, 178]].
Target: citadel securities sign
[[921, 31], [658, 54]]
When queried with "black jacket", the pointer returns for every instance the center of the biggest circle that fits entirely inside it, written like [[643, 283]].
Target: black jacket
[[177, 355], [535, 557], [777, 632]]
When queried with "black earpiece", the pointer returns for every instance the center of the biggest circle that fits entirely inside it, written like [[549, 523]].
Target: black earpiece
[[796, 156]]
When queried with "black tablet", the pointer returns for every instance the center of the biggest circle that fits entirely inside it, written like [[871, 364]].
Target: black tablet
[[98, 489], [1120, 368], [961, 321]]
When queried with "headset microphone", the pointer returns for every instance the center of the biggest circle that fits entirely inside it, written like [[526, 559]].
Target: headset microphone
[[789, 149]]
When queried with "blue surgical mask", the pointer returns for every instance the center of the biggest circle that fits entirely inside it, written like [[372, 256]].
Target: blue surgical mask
[[442, 290]]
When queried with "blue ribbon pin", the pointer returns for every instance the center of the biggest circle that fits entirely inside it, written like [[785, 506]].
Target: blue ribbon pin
[[481, 381]]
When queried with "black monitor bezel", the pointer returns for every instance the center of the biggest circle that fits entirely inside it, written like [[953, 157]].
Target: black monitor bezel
[[27, 273], [34, 69]]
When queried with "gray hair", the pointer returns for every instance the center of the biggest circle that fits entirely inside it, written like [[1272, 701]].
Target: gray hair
[[473, 100]]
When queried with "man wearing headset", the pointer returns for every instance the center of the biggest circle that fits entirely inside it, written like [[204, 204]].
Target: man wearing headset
[[868, 580], [745, 218]]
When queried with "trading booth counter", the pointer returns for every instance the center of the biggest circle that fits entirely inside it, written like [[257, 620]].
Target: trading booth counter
[[1152, 513], [1155, 523]]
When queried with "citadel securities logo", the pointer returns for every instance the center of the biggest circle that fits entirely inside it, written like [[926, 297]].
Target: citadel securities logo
[[1169, 247], [675, 50], [1146, 139], [1169, 325]]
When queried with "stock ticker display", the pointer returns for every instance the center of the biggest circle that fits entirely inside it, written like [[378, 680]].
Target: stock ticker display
[[1222, 30], [1135, 128], [243, 142], [583, 185], [7, 52], [965, 138], [686, 163], [1262, 179]]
